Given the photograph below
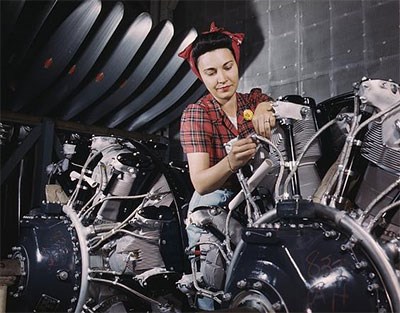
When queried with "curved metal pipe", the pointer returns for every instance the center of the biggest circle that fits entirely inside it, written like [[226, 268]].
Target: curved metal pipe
[[82, 233], [368, 243], [133, 291], [374, 250]]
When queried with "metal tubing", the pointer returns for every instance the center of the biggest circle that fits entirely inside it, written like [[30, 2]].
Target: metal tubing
[[82, 234], [290, 147]]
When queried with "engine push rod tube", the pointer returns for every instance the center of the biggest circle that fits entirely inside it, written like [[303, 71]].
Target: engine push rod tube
[[345, 154], [287, 125]]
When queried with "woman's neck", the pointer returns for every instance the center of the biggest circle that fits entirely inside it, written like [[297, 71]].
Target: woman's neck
[[230, 107]]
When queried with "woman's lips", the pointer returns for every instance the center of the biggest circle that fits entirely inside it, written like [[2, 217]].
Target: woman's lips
[[224, 89]]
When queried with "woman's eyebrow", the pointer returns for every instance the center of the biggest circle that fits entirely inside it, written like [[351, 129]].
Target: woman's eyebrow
[[229, 62], [211, 68]]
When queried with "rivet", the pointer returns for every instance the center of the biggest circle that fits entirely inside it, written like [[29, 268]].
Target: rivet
[[48, 63], [72, 70], [123, 84], [99, 77]]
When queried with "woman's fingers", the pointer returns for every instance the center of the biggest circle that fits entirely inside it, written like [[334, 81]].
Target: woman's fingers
[[243, 145], [265, 128], [272, 120], [242, 151], [263, 124]]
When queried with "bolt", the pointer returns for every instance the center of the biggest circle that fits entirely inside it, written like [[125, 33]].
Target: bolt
[[371, 275], [257, 285], [241, 284], [304, 112], [227, 296], [329, 234], [264, 277], [62, 275], [361, 264], [372, 287], [277, 306]]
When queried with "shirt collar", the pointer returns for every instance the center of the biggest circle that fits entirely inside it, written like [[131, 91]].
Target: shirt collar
[[218, 116]]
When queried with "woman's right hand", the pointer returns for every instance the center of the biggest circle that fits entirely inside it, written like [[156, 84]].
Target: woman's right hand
[[242, 151], [207, 179]]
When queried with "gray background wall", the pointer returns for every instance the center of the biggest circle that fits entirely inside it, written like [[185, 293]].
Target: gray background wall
[[314, 48]]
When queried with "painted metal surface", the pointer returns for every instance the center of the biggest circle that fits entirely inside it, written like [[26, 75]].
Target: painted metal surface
[[113, 68], [315, 50], [79, 70], [56, 54], [152, 52], [155, 84]]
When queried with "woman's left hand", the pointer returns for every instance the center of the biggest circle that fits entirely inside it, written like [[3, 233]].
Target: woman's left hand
[[264, 119]]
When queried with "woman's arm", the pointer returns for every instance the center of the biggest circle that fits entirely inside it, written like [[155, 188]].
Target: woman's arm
[[206, 179]]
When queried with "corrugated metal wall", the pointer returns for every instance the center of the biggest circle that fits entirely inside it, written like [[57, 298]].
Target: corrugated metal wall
[[314, 48]]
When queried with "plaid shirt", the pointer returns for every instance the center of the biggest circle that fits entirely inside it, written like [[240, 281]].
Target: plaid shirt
[[205, 127]]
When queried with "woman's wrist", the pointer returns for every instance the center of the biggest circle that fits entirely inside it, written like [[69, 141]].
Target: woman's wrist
[[264, 107], [230, 165]]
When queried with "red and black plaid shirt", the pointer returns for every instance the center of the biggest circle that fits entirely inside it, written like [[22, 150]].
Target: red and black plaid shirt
[[205, 127]]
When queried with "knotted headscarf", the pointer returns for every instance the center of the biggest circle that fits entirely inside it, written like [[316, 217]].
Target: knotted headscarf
[[237, 39]]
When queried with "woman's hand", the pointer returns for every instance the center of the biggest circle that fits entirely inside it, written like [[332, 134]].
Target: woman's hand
[[242, 151], [264, 119], [206, 179]]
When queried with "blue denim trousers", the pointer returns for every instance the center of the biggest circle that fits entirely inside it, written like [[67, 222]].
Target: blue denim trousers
[[216, 198]]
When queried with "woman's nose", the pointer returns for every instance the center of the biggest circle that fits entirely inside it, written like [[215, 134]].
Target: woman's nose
[[221, 78]]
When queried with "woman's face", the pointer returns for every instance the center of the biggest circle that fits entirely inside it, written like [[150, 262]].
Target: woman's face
[[220, 74]]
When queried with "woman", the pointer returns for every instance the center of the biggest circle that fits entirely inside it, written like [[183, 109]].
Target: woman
[[217, 118], [207, 126]]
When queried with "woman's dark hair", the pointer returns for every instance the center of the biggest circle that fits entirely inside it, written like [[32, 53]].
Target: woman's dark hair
[[209, 42]]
